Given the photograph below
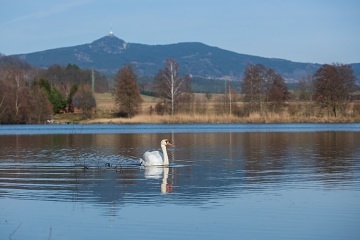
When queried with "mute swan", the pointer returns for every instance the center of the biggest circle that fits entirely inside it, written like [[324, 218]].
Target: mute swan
[[156, 158]]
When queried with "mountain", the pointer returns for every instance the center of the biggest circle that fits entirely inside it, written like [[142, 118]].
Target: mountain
[[108, 54]]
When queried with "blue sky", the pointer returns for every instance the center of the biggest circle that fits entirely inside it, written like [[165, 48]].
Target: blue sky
[[317, 31]]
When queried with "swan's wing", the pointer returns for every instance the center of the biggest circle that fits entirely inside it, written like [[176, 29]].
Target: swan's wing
[[153, 158]]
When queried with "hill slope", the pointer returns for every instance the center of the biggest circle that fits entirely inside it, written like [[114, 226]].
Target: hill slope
[[110, 53]]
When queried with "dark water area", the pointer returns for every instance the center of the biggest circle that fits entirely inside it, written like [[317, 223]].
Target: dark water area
[[250, 181]]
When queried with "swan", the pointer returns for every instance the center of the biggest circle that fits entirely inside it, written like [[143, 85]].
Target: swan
[[156, 158]]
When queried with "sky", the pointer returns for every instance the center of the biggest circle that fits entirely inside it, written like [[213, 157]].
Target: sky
[[315, 31]]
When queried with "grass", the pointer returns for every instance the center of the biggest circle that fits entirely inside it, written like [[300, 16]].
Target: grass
[[106, 109]]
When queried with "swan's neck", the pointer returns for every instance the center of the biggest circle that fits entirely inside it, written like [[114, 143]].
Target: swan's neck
[[166, 158], [164, 181]]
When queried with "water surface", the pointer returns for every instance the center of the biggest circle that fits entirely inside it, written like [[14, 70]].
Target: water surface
[[257, 181]]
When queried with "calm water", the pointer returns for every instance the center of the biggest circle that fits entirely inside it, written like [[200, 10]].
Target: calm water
[[277, 181]]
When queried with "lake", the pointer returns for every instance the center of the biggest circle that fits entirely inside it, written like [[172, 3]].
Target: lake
[[229, 181]]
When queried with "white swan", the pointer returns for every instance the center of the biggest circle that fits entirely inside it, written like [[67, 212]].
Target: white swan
[[156, 158]]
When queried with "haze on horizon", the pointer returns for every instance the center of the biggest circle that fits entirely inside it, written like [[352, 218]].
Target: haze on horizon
[[320, 31]]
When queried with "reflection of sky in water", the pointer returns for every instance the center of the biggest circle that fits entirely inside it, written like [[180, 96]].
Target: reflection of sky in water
[[254, 184], [281, 214]]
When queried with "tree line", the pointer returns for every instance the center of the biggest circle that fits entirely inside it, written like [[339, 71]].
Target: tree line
[[33, 95], [263, 91], [330, 88]]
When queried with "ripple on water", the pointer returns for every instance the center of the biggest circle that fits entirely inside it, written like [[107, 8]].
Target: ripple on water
[[226, 184]]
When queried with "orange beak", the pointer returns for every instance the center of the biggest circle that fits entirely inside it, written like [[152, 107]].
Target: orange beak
[[168, 143]]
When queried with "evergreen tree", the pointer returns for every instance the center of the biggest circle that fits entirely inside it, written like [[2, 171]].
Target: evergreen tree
[[57, 100]]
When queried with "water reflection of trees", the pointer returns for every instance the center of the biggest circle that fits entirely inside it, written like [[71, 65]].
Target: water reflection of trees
[[322, 155], [335, 154], [264, 153]]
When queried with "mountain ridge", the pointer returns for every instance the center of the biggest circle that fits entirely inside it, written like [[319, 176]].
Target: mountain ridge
[[109, 53]]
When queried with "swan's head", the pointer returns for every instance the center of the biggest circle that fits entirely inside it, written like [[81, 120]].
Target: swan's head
[[165, 142]]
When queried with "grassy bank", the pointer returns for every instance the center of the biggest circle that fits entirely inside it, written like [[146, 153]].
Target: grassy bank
[[207, 111], [200, 118]]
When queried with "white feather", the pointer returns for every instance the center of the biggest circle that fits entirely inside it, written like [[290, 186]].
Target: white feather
[[156, 158]]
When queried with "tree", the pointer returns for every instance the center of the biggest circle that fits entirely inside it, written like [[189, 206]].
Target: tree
[[57, 100], [277, 92], [84, 99], [127, 93], [262, 85], [333, 84], [19, 101], [65, 77], [42, 108], [252, 86], [170, 86]]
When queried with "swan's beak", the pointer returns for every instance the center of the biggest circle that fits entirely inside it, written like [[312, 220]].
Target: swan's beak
[[168, 143]]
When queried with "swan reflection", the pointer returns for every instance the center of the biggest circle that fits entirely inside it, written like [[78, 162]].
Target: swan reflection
[[156, 172], [165, 187]]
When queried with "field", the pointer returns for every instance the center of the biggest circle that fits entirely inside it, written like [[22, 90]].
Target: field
[[210, 110], [106, 104]]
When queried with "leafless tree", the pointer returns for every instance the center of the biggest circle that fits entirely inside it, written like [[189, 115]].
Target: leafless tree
[[252, 86], [41, 106], [333, 84], [277, 92], [15, 93], [19, 101], [262, 85], [169, 85], [84, 100]]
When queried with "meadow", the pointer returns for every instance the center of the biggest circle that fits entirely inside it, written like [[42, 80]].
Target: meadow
[[212, 110]]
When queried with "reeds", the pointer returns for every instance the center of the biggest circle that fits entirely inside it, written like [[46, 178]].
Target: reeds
[[223, 118], [213, 112]]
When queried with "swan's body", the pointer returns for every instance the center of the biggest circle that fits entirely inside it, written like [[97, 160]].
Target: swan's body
[[156, 158]]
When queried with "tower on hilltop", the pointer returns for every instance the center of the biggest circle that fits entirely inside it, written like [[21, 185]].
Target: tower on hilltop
[[111, 34]]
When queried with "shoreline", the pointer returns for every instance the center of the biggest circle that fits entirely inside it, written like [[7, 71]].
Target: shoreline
[[200, 119]]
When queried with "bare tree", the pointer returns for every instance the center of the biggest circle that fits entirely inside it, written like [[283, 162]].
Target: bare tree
[[169, 85], [64, 77], [333, 84], [127, 93], [262, 85], [41, 106], [15, 94], [26, 97], [252, 86], [85, 100], [277, 92]]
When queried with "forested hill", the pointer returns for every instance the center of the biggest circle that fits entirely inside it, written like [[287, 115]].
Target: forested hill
[[110, 53]]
